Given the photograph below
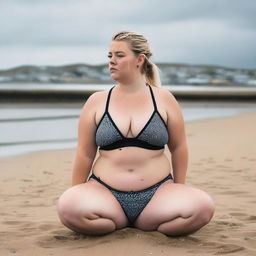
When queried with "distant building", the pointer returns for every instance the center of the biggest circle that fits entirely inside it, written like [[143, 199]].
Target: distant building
[[251, 82], [219, 81], [195, 80]]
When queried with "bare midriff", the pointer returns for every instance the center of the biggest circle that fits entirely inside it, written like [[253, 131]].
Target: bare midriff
[[131, 168]]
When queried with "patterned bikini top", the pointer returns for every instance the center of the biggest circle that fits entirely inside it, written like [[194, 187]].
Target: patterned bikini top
[[154, 135]]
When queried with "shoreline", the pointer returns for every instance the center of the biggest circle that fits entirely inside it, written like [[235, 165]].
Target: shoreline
[[77, 92], [47, 118], [222, 162]]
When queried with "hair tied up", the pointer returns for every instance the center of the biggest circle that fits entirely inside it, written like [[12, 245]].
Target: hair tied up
[[139, 45]]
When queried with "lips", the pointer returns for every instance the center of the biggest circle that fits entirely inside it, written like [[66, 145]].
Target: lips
[[113, 69]]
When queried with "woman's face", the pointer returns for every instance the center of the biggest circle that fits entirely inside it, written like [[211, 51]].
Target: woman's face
[[122, 61]]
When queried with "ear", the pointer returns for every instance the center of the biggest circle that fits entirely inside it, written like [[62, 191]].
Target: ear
[[141, 59]]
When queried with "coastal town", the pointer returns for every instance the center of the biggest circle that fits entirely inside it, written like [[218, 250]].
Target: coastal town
[[171, 74]]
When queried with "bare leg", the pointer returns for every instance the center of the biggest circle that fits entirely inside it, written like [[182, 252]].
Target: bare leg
[[90, 208], [176, 209]]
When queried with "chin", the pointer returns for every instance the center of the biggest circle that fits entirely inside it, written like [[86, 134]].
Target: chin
[[115, 78]]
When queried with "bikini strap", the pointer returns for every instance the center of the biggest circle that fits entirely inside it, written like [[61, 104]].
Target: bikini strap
[[152, 95], [108, 99], [151, 92]]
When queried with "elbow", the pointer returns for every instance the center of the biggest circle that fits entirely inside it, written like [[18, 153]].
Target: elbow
[[88, 154], [177, 147]]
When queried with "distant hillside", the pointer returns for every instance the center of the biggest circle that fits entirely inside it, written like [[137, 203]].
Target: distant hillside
[[170, 74]]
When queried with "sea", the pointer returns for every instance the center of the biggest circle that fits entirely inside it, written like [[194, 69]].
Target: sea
[[34, 127]]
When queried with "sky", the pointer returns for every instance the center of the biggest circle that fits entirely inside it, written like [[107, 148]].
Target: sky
[[60, 32]]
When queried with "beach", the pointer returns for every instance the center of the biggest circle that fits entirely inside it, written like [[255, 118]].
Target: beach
[[222, 162]]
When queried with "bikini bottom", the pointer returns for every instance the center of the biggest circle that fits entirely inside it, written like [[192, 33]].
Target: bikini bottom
[[133, 202]]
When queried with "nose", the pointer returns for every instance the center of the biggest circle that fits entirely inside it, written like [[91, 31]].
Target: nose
[[112, 60]]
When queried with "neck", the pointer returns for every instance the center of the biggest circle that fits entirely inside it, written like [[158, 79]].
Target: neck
[[133, 86]]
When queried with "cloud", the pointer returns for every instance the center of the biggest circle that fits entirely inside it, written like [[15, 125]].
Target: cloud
[[52, 24], [203, 42], [195, 31], [52, 56]]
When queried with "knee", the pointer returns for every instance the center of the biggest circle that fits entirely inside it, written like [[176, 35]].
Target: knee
[[62, 210], [69, 213], [65, 207], [206, 212]]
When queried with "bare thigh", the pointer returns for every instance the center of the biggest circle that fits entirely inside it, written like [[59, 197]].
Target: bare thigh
[[89, 206], [174, 201]]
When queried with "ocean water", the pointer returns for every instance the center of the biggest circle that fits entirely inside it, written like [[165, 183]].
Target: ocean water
[[28, 129]]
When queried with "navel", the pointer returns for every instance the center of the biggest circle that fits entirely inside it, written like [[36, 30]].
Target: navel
[[130, 170]]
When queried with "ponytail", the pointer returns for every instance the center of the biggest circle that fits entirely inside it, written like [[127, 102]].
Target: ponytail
[[151, 72], [139, 45]]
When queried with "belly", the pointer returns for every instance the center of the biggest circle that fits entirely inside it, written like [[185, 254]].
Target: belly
[[131, 168]]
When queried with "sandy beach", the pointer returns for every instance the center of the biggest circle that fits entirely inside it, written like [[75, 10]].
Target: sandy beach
[[222, 162]]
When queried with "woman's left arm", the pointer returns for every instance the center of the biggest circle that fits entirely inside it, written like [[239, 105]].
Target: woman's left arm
[[177, 139]]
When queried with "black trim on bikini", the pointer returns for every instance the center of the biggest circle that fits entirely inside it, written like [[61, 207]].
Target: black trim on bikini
[[108, 99], [106, 108], [147, 123], [145, 126], [132, 143], [153, 97], [169, 176]]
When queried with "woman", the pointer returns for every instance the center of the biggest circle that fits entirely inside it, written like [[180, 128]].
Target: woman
[[131, 182]]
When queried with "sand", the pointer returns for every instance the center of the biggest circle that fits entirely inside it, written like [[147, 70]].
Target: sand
[[222, 162]]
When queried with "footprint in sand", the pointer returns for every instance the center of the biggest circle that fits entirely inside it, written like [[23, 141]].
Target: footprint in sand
[[46, 172], [242, 216], [29, 228], [238, 214], [252, 217], [222, 166], [228, 223], [228, 160], [198, 164], [66, 239], [59, 232], [48, 227], [71, 237], [22, 215], [250, 236], [210, 161], [228, 248], [44, 186], [12, 222], [232, 192], [61, 237], [12, 250], [238, 170], [7, 180]]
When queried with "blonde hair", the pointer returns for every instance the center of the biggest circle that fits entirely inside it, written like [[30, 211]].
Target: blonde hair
[[139, 45]]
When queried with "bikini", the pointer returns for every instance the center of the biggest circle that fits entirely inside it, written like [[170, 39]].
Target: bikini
[[153, 136]]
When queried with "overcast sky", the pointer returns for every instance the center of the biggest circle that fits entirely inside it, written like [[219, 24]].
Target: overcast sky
[[58, 32]]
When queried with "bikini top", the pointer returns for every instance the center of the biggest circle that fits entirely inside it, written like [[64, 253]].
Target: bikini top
[[154, 135]]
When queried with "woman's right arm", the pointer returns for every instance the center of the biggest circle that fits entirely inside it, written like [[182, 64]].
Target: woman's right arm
[[86, 146]]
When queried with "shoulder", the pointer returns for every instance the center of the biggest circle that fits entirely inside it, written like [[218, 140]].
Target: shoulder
[[165, 96], [171, 105], [91, 107], [94, 100]]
